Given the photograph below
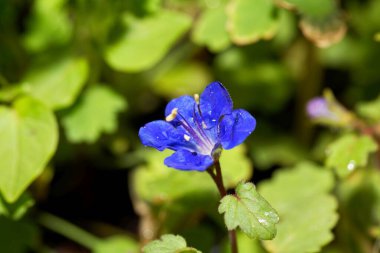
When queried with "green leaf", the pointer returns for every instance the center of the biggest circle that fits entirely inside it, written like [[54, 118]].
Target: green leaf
[[245, 244], [59, 83], [134, 51], [28, 137], [96, 113], [315, 9], [251, 20], [16, 236], [349, 152], [307, 210], [157, 183], [211, 29], [17, 209], [49, 25], [250, 211], [370, 110], [117, 243], [169, 244], [180, 80]]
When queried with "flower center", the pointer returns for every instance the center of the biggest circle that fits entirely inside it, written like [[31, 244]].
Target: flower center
[[195, 131]]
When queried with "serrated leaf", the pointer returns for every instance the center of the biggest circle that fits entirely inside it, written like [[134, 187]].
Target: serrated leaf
[[211, 29], [96, 113], [251, 20], [28, 138], [59, 83], [16, 209], [307, 210], [370, 109], [169, 244], [49, 25], [134, 51], [349, 152], [115, 244], [249, 211]]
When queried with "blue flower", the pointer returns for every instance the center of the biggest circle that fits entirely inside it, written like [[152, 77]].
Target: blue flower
[[198, 128]]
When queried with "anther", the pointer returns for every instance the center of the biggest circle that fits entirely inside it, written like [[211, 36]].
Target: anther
[[172, 115], [187, 138], [196, 98]]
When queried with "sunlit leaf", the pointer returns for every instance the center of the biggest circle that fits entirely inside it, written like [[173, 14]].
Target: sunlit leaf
[[249, 211], [211, 29], [16, 236], [370, 110], [307, 210], [49, 25], [251, 20], [59, 83], [186, 78], [96, 113], [134, 50], [117, 244], [28, 137], [349, 152], [169, 244], [16, 209]]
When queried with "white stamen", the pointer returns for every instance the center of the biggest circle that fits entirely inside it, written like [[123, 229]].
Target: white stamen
[[196, 98], [204, 125], [187, 138], [172, 115]]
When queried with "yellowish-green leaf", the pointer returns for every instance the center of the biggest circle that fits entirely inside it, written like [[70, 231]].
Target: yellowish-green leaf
[[169, 244], [59, 83], [49, 25], [134, 51], [16, 209], [370, 110], [251, 20], [28, 138], [96, 113], [307, 210], [211, 29], [249, 211], [349, 152], [118, 243]]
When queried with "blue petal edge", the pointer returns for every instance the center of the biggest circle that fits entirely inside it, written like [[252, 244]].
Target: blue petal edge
[[215, 101], [235, 128], [186, 160]]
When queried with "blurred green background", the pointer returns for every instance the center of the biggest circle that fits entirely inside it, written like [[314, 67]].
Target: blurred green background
[[84, 75]]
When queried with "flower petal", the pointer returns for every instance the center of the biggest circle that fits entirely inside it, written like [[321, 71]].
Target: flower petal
[[215, 102], [160, 135], [187, 160], [235, 128], [185, 106]]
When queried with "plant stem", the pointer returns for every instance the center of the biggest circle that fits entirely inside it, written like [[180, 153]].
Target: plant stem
[[218, 179], [68, 230]]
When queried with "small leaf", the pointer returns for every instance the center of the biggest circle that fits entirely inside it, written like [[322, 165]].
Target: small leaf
[[17, 209], [134, 51], [28, 138], [250, 211], [58, 84], [169, 244], [251, 20], [49, 25], [211, 29], [307, 210], [370, 109], [349, 152], [117, 243], [95, 113]]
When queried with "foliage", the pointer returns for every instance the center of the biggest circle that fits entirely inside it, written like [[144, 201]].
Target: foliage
[[78, 78]]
